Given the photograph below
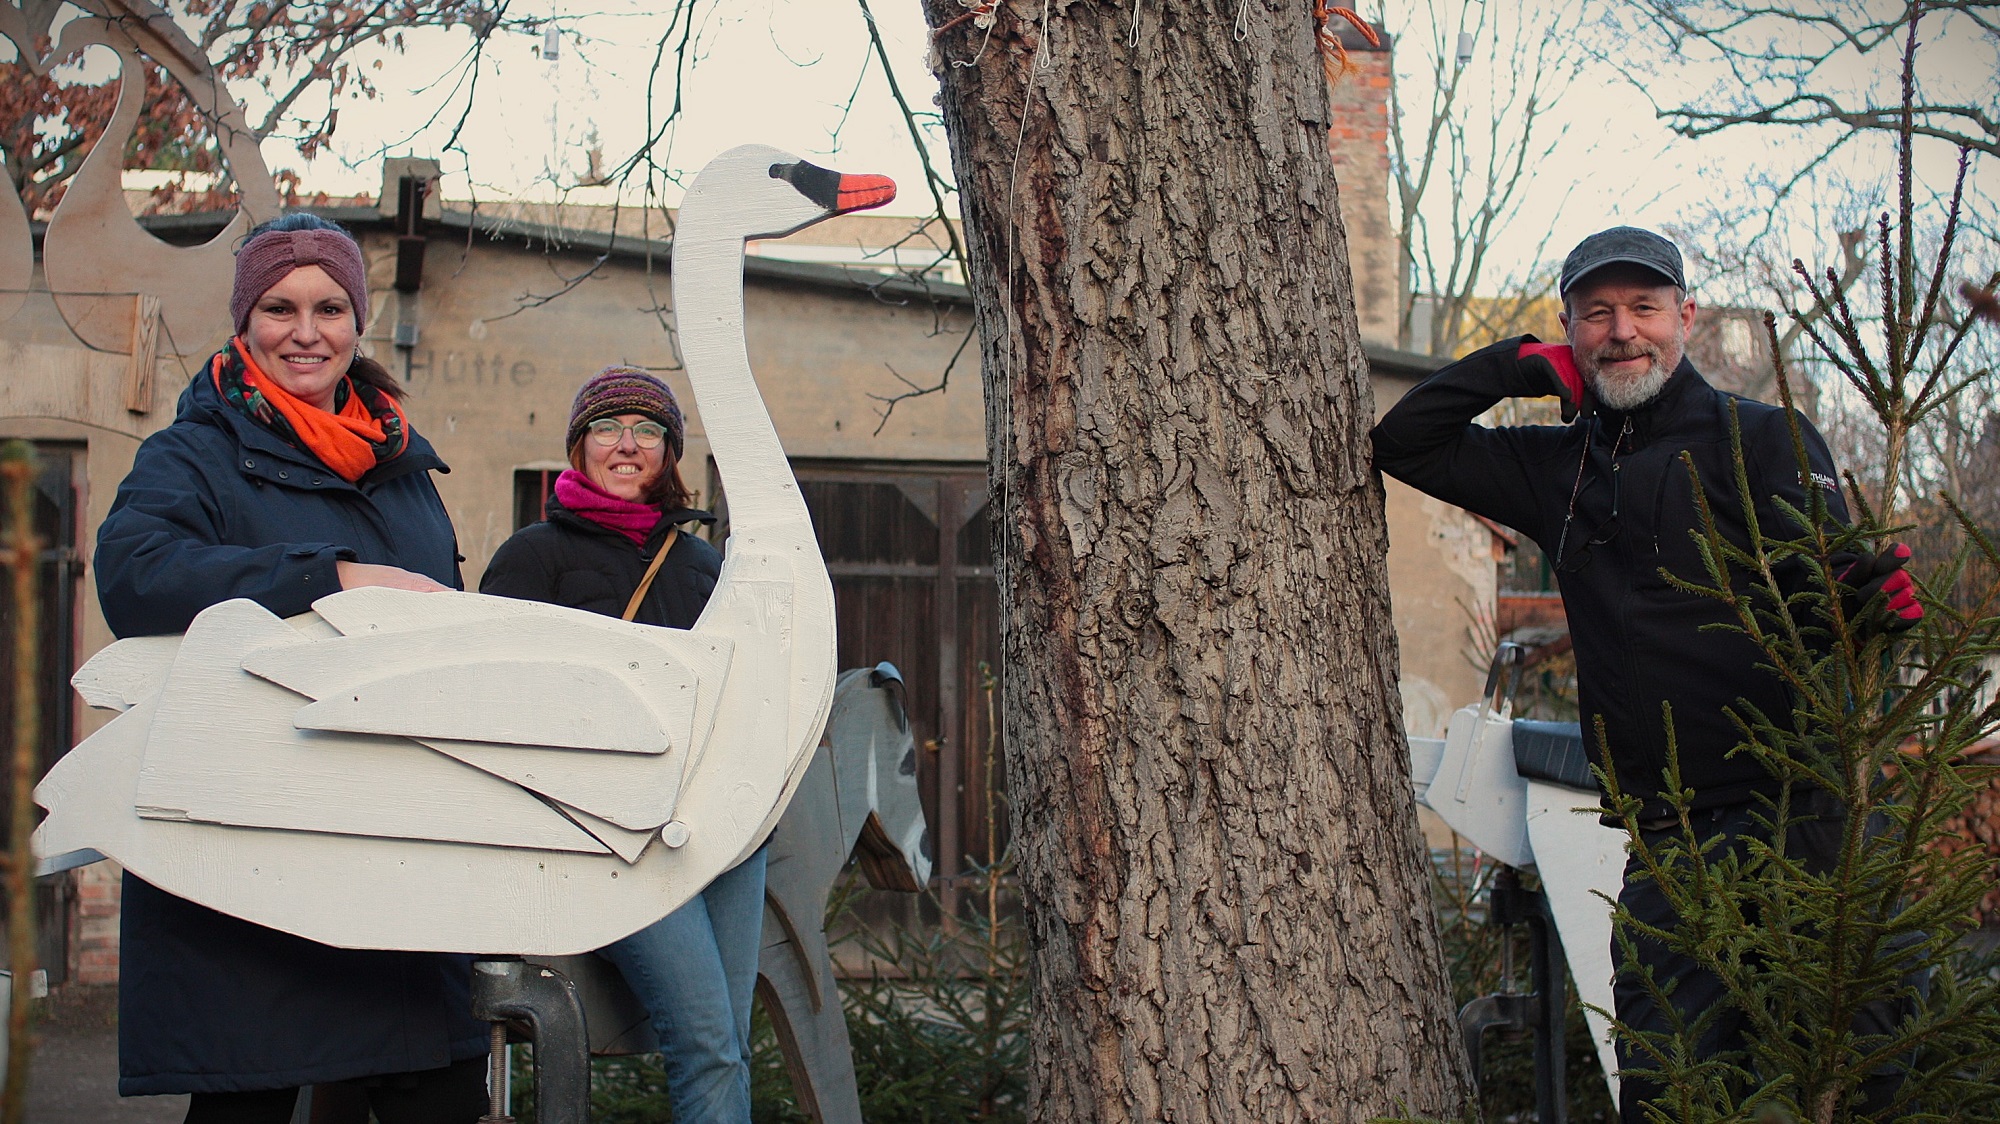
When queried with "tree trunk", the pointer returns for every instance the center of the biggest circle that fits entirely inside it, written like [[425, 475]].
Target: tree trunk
[[1227, 895]]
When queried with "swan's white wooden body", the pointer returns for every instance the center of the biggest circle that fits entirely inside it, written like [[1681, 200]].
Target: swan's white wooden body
[[455, 772], [1468, 778]]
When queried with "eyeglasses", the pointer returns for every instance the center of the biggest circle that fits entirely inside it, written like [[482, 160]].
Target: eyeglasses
[[610, 431]]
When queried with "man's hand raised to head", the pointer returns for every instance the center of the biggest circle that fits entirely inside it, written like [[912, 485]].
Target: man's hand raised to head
[[1557, 364]]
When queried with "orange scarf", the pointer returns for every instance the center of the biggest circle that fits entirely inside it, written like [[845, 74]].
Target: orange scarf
[[345, 442]]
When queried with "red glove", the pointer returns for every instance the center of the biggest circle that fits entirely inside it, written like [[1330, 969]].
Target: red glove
[[1558, 363], [1873, 576]]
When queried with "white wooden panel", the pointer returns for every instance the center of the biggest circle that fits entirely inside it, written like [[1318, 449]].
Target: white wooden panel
[[372, 609], [667, 657], [511, 701], [125, 673], [1582, 864], [498, 680], [223, 750], [1476, 790], [1425, 755], [89, 791], [623, 842], [352, 891], [636, 791]]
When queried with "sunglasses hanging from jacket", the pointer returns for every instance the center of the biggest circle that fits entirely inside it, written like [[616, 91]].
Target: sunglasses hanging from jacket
[[1570, 563]]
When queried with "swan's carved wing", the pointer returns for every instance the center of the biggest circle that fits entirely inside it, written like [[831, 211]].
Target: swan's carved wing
[[505, 700], [379, 609], [680, 675], [126, 673], [558, 681], [222, 750], [626, 843]]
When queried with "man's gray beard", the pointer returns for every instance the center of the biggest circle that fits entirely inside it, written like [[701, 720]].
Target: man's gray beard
[[1629, 393]]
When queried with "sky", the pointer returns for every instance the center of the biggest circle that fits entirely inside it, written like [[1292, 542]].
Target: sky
[[777, 72], [797, 74]]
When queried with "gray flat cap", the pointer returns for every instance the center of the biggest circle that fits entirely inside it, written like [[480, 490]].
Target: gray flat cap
[[1622, 245]]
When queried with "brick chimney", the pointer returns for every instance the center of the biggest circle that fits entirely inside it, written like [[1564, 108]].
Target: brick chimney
[[1359, 141]]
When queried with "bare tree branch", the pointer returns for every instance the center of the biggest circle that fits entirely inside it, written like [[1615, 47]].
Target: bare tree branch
[[1808, 64]]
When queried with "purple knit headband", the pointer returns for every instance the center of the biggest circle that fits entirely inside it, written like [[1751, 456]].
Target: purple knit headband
[[266, 259]]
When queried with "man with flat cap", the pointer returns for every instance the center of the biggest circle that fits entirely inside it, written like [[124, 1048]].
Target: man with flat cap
[[1611, 503]]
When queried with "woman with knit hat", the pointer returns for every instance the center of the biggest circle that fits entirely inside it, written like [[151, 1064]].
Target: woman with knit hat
[[611, 543], [290, 472]]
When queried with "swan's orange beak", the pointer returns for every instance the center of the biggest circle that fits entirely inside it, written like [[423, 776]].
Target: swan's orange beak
[[858, 193]]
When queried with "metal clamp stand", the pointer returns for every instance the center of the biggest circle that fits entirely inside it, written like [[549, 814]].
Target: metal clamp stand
[[512, 989], [1541, 1009]]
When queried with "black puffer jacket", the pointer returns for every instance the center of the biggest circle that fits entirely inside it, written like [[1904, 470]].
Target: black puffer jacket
[[569, 560], [1639, 640]]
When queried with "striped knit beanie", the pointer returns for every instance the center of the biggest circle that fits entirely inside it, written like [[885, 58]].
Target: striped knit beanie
[[269, 257], [625, 390]]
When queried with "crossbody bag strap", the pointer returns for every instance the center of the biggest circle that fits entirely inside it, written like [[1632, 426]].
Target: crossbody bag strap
[[646, 583]]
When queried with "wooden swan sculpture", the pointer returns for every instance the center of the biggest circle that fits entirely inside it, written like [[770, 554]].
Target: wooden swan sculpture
[[454, 772]]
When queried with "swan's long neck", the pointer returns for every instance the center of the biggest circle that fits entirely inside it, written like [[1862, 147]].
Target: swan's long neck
[[708, 308], [101, 169]]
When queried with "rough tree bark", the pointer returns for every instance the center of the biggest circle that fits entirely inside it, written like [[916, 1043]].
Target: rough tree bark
[[1227, 901]]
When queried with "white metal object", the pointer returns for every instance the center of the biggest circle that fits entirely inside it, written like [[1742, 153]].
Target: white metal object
[[741, 699], [1485, 800], [1470, 781]]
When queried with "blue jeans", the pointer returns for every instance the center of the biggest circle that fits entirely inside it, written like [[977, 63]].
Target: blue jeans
[[696, 970]]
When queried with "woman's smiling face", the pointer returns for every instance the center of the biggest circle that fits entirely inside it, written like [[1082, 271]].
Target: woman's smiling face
[[302, 334], [626, 469]]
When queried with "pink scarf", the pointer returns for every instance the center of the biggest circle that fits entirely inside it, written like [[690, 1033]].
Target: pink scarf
[[635, 521]]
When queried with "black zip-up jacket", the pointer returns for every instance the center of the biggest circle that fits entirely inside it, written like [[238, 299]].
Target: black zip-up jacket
[[1639, 641], [569, 560]]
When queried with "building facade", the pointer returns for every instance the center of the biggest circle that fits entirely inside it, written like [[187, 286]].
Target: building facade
[[492, 320]]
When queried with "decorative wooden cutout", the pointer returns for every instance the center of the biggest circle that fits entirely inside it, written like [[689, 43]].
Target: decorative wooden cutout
[[95, 255], [1476, 789], [1582, 864], [624, 842], [17, 254], [126, 673], [490, 680], [762, 650], [145, 354], [631, 795]]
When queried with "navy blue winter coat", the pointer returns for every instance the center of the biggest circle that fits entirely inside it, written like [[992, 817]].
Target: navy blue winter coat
[[217, 507]]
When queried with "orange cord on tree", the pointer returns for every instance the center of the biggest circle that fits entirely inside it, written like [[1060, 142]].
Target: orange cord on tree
[[1332, 55], [982, 8]]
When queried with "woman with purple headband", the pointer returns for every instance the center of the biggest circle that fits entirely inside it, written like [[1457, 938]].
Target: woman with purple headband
[[611, 543], [290, 472]]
